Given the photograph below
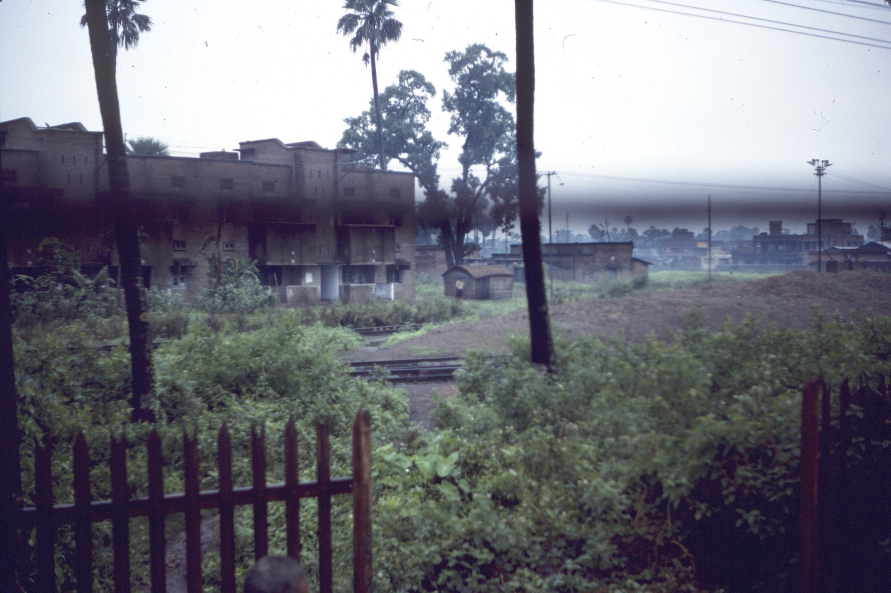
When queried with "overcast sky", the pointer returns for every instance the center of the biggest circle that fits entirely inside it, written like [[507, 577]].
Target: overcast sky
[[641, 108]]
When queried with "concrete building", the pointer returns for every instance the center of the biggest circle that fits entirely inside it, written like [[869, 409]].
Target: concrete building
[[778, 248], [319, 228]]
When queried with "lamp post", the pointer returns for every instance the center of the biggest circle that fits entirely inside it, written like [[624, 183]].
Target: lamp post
[[820, 170]]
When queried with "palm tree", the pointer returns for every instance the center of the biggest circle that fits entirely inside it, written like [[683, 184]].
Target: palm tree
[[147, 146], [120, 202], [124, 24], [371, 22]]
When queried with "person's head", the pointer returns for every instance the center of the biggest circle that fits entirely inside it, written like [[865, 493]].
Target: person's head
[[276, 574]]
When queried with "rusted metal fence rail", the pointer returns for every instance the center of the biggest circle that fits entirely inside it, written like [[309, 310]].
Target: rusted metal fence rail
[[46, 518]]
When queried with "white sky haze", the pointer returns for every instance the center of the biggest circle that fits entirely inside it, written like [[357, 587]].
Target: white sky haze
[[630, 94]]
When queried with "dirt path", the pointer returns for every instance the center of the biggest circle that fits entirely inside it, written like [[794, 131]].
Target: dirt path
[[788, 300]]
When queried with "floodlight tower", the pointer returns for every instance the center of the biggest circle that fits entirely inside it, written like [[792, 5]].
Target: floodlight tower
[[819, 171]]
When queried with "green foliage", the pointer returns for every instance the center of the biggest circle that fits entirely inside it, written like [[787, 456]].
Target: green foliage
[[233, 284], [286, 369], [380, 313], [651, 466], [60, 292]]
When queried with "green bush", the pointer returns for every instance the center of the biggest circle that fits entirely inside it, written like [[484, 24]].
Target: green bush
[[263, 377], [636, 467]]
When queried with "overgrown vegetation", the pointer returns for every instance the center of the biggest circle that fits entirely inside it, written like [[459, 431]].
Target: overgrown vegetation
[[638, 467]]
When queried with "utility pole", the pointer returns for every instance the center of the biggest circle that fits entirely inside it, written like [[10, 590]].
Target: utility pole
[[710, 238], [567, 227], [820, 170], [550, 232]]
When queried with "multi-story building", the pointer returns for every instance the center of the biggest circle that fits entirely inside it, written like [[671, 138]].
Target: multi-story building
[[779, 248], [318, 227]]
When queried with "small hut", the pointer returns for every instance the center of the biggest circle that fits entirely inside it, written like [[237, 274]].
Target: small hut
[[479, 282]]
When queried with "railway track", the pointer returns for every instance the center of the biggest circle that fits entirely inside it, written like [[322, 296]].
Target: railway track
[[436, 368]]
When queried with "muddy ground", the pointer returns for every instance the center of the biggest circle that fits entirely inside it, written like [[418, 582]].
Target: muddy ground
[[787, 300]]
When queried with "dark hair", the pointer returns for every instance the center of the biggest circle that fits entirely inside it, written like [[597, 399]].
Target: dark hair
[[276, 574]]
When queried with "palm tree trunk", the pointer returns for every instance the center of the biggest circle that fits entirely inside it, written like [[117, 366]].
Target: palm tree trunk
[[377, 111], [530, 227], [10, 437], [121, 207]]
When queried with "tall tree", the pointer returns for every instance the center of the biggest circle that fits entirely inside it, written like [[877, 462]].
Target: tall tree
[[372, 25], [488, 159], [121, 206], [542, 345], [124, 25], [405, 114]]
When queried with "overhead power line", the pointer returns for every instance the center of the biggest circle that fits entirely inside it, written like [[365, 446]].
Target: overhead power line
[[714, 185], [878, 43], [841, 14]]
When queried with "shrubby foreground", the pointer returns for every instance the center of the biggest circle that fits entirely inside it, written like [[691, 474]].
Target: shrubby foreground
[[654, 466]]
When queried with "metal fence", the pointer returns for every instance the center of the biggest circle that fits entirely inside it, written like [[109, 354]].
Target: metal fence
[[45, 518]]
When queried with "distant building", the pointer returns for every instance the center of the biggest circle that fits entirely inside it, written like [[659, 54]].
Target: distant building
[[319, 228], [870, 256], [778, 248], [479, 282], [587, 262]]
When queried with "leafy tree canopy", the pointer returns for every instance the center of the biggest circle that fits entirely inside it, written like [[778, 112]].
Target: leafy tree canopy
[[479, 115]]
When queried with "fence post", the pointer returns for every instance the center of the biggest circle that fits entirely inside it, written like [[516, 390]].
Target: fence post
[[292, 502], [808, 471], [120, 520], [362, 575], [83, 525], [258, 468], [323, 478], [227, 512], [157, 540], [193, 512], [46, 531]]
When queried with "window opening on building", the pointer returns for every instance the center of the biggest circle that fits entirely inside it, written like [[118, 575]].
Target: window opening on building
[[86, 160], [63, 159], [179, 245], [396, 219], [74, 159], [394, 274], [229, 246], [69, 178], [179, 278]]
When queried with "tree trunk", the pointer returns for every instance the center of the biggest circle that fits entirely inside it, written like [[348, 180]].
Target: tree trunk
[[10, 437], [448, 242], [377, 111], [530, 227], [122, 208]]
